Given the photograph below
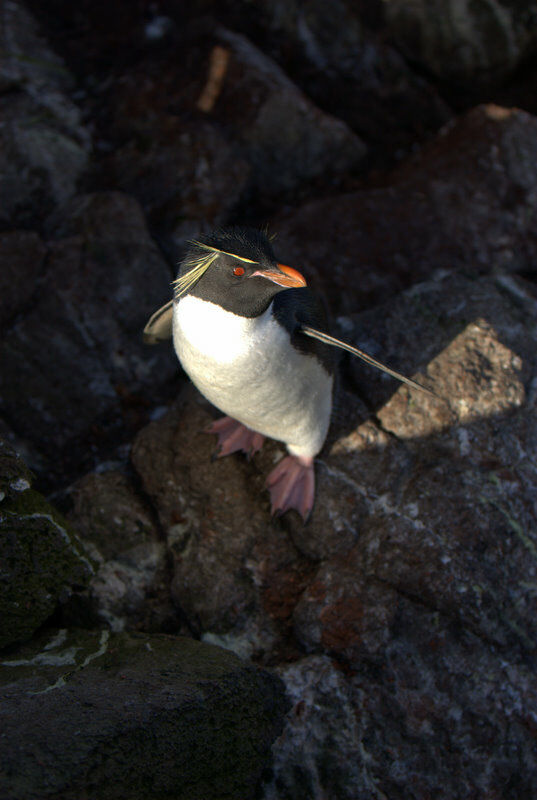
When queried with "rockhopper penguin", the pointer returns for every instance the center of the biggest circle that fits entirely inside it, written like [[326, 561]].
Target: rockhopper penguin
[[252, 337]]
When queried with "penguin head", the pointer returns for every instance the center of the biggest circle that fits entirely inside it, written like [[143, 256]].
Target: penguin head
[[235, 269]]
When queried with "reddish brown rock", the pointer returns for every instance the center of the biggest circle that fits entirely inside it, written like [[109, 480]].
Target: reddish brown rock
[[465, 202]]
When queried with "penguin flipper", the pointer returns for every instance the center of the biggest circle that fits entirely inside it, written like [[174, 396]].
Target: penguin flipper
[[159, 326], [327, 339]]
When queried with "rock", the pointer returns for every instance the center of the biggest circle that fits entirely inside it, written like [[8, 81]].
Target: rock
[[448, 500], [340, 57], [420, 548], [130, 589], [15, 477], [41, 559], [321, 751], [466, 201], [22, 254], [206, 718], [219, 101], [43, 145], [287, 139], [437, 710], [219, 533], [94, 379], [188, 176], [464, 42]]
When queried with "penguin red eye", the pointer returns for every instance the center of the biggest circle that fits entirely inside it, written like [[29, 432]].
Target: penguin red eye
[[238, 271]]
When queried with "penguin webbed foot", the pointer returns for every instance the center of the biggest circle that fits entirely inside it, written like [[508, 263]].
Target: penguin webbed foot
[[234, 436], [292, 485]]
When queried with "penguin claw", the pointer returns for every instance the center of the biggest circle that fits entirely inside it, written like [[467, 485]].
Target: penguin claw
[[234, 436], [292, 485]]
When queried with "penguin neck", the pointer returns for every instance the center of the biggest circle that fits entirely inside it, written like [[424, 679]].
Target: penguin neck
[[216, 333]]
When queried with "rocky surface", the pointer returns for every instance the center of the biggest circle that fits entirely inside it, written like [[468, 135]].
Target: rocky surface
[[466, 201], [130, 587], [199, 719], [93, 378], [41, 558], [481, 41], [401, 618], [44, 146]]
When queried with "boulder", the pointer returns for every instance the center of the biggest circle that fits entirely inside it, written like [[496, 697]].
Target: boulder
[[466, 201], [44, 146], [463, 43], [134, 716], [130, 588], [41, 558], [93, 379]]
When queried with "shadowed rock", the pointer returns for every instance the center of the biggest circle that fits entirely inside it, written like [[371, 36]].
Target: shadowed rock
[[119, 716]]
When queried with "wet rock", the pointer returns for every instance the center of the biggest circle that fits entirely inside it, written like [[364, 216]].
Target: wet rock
[[44, 147], [470, 42], [41, 558], [93, 379], [206, 718], [466, 201], [21, 255], [130, 588]]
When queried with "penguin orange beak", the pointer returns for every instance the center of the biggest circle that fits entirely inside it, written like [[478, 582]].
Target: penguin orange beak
[[287, 277]]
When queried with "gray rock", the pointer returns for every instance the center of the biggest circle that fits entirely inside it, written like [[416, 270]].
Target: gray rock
[[288, 140], [44, 147], [339, 55], [41, 559], [22, 254], [464, 42], [130, 588], [134, 716], [188, 176], [466, 201], [436, 713], [93, 378]]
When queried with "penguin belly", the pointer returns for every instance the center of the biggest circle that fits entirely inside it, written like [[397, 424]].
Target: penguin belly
[[248, 368]]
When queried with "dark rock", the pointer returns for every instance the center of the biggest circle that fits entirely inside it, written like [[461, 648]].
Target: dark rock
[[449, 485], [339, 55], [187, 175], [287, 139], [130, 588], [40, 557], [220, 535], [244, 119], [15, 477], [93, 378], [119, 716], [21, 259], [480, 42], [467, 201], [437, 711], [44, 147]]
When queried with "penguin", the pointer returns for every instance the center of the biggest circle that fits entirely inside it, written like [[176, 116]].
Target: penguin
[[254, 340]]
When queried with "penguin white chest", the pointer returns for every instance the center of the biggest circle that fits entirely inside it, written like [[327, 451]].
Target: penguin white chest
[[248, 369]]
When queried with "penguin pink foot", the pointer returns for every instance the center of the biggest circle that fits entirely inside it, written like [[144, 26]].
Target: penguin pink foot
[[233, 436], [292, 485]]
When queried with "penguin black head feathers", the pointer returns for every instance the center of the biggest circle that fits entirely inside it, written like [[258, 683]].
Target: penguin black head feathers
[[235, 269]]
